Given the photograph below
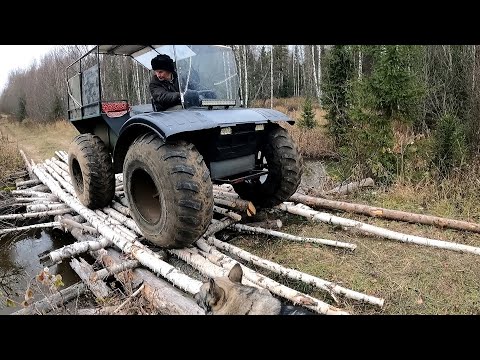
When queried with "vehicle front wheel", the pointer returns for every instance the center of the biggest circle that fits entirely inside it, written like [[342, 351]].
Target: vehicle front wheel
[[169, 190]]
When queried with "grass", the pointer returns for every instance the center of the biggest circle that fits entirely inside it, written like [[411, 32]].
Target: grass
[[39, 140], [10, 160]]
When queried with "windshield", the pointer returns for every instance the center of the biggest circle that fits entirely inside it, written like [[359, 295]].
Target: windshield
[[212, 71], [209, 69]]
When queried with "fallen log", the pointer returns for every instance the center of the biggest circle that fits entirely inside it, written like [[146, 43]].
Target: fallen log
[[26, 183], [218, 225], [28, 165], [350, 187], [164, 297], [371, 229], [32, 208], [69, 223], [282, 235], [199, 261], [41, 187], [120, 208], [295, 274], [35, 214], [96, 285], [237, 204], [267, 224], [34, 193], [77, 248], [29, 227], [61, 164], [226, 212], [373, 211], [61, 155], [144, 255], [275, 287], [50, 302]]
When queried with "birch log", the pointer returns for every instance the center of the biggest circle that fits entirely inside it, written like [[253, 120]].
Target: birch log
[[31, 208], [71, 223], [120, 208], [226, 212], [385, 213], [267, 224], [276, 288], [96, 285], [61, 155], [350, 187], [35, 214], [41, 187], [26, 183], [28, 166], [218, 225], [50, 302], [58, 169], [282, 235], [61, 164], [78, 248], [295, 274], [144, 255], [371, 229], [30, 227], [237, 204], [167, 299]]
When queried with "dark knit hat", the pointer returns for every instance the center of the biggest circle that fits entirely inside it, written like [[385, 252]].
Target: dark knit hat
[[162, 62]]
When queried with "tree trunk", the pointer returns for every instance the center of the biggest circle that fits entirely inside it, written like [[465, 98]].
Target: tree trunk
[[96, 285], [282, 235], [275, 287], [385, 213], [295, 274], [50, 302], [167, 299], [226, 212], [370, 229], [271, 76], [350, 187], [29, 227]]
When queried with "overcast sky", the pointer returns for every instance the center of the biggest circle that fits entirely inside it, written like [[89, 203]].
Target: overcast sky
[[19, 57]]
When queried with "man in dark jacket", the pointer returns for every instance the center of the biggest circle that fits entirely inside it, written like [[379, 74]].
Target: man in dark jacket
[[164, 86]]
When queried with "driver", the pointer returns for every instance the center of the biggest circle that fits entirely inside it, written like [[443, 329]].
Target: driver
[[164, 86]]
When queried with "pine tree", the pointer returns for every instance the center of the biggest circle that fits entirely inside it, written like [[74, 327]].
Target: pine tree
[[308, 115]]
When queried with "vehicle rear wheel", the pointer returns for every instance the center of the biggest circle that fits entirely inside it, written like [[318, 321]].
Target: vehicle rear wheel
[[281, 157], [169, 190], [91, 171]]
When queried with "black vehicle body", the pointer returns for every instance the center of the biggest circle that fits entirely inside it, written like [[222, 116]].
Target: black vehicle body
[[229, 155], [171, 159]]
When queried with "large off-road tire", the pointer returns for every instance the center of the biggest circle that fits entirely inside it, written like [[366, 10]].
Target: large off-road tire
[[281, 157], [169, 190], [91, 170]]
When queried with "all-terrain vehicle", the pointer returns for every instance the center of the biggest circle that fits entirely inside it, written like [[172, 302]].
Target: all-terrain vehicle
[[170, 159]]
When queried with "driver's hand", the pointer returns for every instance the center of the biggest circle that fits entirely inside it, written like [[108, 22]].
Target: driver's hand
[[191, 98]]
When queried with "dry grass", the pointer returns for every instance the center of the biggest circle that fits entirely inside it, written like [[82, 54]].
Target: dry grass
[[39, 140], [10, 159], [313, 143]]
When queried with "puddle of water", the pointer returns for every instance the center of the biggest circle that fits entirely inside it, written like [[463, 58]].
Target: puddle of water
[[20, 263]]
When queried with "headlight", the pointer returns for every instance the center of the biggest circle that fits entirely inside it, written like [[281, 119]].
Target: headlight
[[259, 127], [226, 131]]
